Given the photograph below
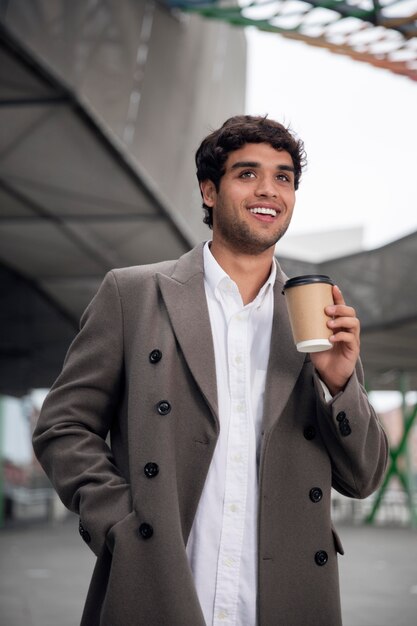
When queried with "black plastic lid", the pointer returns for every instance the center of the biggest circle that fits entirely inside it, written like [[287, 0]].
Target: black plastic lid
[[307, 279]]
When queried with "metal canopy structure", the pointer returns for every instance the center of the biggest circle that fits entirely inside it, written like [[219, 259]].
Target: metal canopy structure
[[380, 32], [72, 206]]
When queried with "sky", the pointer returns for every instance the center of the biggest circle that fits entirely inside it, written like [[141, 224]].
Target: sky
[[359, 126]]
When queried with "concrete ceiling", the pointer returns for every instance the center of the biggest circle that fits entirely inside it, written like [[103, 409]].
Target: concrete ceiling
[[73, 205]]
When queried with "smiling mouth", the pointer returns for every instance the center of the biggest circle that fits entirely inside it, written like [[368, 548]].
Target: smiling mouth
[[263, 211]]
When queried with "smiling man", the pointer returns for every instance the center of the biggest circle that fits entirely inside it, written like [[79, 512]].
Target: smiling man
[[197, 446]]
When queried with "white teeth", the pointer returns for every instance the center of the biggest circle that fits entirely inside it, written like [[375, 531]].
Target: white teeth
[[264, 211]]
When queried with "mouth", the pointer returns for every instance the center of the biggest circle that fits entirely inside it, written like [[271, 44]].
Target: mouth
[[265, 214], [263, 211]]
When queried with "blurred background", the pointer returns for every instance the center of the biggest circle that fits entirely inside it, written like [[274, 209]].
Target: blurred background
[[102, 106]]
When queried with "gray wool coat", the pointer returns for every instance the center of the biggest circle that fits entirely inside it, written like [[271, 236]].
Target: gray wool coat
[[128, 430]]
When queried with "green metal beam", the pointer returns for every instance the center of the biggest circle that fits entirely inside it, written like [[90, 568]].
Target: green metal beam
[[234, 14], [300, 30], [404, 476]]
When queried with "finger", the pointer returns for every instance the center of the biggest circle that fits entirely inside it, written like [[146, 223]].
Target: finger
[[344, 322], [340, 310], [337, 295], [347, 338]]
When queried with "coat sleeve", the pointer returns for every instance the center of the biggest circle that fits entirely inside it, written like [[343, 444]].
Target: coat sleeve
[[354, 438], [70, 437]]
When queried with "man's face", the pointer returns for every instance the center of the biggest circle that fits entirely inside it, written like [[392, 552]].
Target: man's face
[[253, 207]]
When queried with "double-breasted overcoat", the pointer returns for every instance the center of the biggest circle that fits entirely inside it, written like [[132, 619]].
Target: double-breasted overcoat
[[128, 430]]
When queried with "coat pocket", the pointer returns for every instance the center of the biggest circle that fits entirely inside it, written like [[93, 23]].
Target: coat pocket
[[116, 528], [337, 542]]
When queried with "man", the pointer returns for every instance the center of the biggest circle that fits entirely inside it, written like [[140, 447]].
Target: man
[[209, 503]]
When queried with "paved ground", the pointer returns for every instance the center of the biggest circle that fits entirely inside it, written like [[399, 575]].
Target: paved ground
[[45, 572]]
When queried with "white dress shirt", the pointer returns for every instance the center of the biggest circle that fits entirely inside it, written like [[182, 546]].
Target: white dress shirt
[[222, 547]]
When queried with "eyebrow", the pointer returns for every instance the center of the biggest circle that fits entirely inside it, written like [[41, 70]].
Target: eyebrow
[[239, 164]]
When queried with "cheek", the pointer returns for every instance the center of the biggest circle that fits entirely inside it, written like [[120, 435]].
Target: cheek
[[290, 201]]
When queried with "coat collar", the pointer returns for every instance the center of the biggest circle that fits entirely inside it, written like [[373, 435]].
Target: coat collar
[[184, 296]]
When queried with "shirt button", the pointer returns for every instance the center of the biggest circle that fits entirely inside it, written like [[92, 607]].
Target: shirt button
[[341, 416], [234, 508], [238, 360], [222, 614]]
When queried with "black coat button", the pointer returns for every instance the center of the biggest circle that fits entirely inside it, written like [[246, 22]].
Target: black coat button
[[145, 530], [84, 533], [163, 407], [155, 356], [341, 416], [309, 432], [316, 494], [321, 557], [151, 470], [345, 428]]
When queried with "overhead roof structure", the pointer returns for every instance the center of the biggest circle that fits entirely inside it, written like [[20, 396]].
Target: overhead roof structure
[[380, 32], [73, 205]]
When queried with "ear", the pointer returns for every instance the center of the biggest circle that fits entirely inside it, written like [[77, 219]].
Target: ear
[[209, 193]]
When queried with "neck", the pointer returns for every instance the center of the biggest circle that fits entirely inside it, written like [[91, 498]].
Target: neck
[[248, 271]]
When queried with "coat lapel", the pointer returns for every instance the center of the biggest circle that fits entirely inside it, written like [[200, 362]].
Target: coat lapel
[[185, 299], [285, 362]]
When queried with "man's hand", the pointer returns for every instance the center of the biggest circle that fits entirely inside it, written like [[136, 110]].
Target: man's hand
[[336, 366]]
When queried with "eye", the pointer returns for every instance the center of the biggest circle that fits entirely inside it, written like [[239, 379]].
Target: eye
[[247, 174], [283, 177]]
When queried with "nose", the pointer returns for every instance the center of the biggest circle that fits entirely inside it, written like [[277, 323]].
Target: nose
[[266, 188]]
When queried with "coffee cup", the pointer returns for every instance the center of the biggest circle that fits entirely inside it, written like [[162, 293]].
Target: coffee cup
[[306, 297]]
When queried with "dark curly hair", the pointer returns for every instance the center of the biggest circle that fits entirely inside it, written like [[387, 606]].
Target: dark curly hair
[[237, 131]]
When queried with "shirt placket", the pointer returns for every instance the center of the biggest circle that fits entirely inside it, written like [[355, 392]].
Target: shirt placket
[[231, 544]]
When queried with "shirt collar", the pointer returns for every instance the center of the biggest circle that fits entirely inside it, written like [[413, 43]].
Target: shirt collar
[[214, 275]]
